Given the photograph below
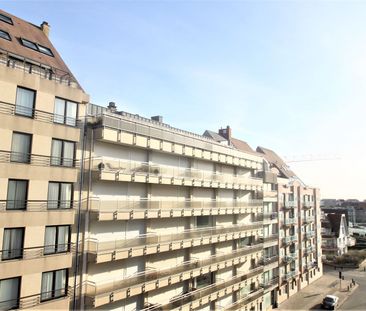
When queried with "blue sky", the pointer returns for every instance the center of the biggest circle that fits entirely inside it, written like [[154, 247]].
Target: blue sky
[[289, 76]]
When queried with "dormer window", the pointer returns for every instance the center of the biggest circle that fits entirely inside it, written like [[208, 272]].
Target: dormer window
[[6, 19], [36, 47], [4, 35]]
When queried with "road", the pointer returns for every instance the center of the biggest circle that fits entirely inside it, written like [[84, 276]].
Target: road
[[358, 299]]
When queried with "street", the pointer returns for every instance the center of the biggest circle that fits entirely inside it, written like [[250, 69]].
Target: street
[[358, 299]]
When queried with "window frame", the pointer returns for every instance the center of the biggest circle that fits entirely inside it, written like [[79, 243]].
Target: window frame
[[28, 154], [33, 106], [26, 194], [61, 159], [56, 251], [54, 283], [18, 292], [6, 19], [22, 245], [36, 47], [60, 183], [64, 116], [6, 34]]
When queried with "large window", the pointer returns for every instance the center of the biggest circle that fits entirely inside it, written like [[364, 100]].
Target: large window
[[17, 194], [9, 293], [57, 239], [13, 243], [54, 284], [5, 35], [60, 195], [62, 153], [21, 147], [24, 104], [65, 112]]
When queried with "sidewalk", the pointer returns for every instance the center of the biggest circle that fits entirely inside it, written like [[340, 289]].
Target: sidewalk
[[311, 297]]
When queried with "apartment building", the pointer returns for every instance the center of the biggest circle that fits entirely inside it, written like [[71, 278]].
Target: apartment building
[[40, 102], [299, 228]]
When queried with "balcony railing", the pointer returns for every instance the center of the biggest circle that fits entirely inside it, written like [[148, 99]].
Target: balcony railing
[[120, 168], [308, 204], [290, 239], [309, 234], [289, 204], [290, 257], [35, 252], [308, 219], [34, 67], [253, 295], [269, 283], [36, 159], [186, 299], [330, 247], [270, 215], [179, 273], [36, 205], [289, 275], [39, 115], [32, 301], [289, 221], [131, 207], [266, 260], [97, 247], [271, 238]]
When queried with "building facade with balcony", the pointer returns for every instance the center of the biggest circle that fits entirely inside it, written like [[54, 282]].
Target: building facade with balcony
[[40, 102]]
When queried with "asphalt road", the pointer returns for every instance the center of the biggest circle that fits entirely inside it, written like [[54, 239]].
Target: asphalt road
[[357, 301]]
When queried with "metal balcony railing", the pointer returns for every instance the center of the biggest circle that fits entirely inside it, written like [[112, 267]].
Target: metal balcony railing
[[308, 219], [186, 299], [290, 239], [289, 204], [32, 301], [308, 204], [266, 260], [289, 221], [31, 66], [35, 252], [39, 115], [36, 159], [151, 275], [253, 295], [269, 283], [309, 234], [97, 247], [270, 215], [129, 205], [121, 167], [271, 238], [330, 247], [289, 275], [290, 257], [36, 205]]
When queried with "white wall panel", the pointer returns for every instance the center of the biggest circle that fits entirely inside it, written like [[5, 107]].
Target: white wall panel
[[120, 152]]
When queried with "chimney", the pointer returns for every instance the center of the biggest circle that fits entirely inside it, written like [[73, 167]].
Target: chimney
[[226, 133], [157, 118], [46, 28], [112, 107]]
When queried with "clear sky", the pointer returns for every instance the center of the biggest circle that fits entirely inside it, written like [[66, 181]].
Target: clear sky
[[290, 76]]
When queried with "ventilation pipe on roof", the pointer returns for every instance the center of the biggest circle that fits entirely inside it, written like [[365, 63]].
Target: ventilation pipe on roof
[[45, 28], [112, 107], [157, 118]]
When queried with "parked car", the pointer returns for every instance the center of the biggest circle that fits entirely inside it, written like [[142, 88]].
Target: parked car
[[330, 302]]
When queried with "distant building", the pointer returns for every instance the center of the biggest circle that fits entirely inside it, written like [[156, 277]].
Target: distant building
[[334, 234]]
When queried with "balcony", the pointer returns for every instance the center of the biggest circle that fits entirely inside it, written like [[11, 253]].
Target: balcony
[[106, 168], [31, 66], [290, 258], [287, 205], [35, 114], [36, 212], [289, 222], [308, 250], [308, 219], [152, 279], [209, 293], [148, 208], [35, 259], [267, 260], [269, 239], [270, 216], [269, 284], [152, 243], [307, 204], [330, 247], [309, 234], [253, 295], [308, 266], [36, 302], [289, 275], [289, 239], [270, 194]]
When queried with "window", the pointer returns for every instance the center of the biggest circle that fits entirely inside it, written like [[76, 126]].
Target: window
[[45, 50], [24, 104], [203, 221], [21, 147], [6, 19], [17, 194], [65, 112], [60, 195], [62, 153], [54, 284], [5, 35], [57, 239], [13, 243], [36, 47], [9, 293]]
